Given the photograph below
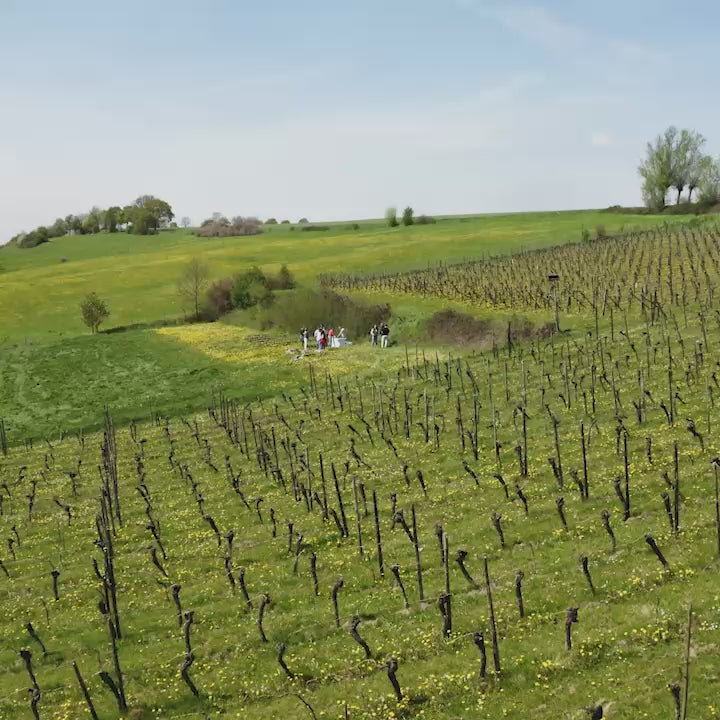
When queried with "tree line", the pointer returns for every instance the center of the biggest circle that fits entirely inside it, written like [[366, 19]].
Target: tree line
[[675, 162], [147, 215]]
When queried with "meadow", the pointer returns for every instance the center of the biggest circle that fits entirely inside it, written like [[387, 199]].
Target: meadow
[[422, 533], [53, 372]]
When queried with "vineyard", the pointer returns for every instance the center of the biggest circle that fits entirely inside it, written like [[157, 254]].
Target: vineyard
[[530, 532]]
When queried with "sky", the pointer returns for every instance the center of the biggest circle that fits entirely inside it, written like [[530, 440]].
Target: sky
[[338, 109]]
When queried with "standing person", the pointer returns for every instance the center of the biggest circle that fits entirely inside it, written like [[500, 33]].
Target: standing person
[[331, 337], [323, 339], [317, 338], [374, 334], [384, 332], [304, 338]]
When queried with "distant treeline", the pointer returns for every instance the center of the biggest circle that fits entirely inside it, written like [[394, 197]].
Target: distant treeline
[[146, 216]]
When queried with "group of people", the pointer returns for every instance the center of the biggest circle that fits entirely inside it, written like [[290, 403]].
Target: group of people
[[323, 337], [383, 331]]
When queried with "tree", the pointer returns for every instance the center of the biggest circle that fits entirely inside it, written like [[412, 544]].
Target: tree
[[191, 286], [709, 182], [407, 216], [303, 221], [391, 217], [271, 221], [185, 222], [673, 160], [112, 218], [58, 228], [93, 221], [252, 288], [147, 215], [94, 311]]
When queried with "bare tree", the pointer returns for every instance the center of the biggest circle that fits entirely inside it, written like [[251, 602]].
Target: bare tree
[[192, 285], [185, 222]]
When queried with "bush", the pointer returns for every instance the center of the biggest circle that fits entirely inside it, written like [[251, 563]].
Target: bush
[[222, 227], [271, 221], [315, 228], [391, 217], [302, 221], [407, 216], [355, 226], [600, 232], [252, 288], [94, 311], [284, 280], [218, 299], [424, 220], [36, 237], [312, 308], [285, 222]]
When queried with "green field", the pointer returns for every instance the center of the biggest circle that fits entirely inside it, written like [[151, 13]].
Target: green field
[[40, 288], [56, 376], [632, 379]]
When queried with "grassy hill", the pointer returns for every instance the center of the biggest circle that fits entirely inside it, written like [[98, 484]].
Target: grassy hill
[[56, 376], [40, 288], [560, 462]]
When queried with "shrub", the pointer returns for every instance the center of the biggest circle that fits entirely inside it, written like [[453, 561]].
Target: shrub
[[271, 221], [355, 226], [391, 217], [36, 237], [222, 227], [311, 308], [315, 228], [600, 232], [284, 280], [252, 288], [424, 220], [407, 216], [218, 299], [94, 311], [285, 222]]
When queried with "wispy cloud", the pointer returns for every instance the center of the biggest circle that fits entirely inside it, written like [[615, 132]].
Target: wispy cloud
[[601, 139], [542, 27]]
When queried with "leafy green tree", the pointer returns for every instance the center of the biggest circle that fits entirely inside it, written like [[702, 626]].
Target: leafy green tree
[[58, 228], [76, 224], [271, 221], [252, 288], [391, 217], [407, 216], [673, 161], [94, 311], [709, 182], [147, 215], [111, 219]]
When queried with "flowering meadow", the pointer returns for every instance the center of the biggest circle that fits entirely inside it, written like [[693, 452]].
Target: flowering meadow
[[527, 532]]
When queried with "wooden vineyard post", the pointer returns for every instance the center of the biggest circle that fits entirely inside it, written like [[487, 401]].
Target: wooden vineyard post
[[491, 613], [446, 556], [378, 539], [357, 516], [715, 464], [418, 563]]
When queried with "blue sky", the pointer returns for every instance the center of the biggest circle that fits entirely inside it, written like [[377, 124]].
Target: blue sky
[[336, 109]]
